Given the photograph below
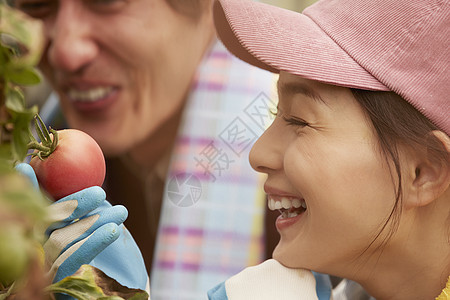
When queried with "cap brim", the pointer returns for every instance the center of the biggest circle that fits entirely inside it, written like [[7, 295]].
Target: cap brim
[[277, 39]]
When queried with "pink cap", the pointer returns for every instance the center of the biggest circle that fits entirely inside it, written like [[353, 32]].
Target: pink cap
[[383, 45]]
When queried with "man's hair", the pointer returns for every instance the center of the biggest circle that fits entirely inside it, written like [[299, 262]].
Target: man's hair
[[191, 8]]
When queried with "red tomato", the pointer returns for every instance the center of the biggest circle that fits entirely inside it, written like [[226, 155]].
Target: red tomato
[[75, 164]]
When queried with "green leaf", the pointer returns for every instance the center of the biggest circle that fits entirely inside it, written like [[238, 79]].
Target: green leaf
[[19, 195], [21, 117], [25, 76], [14, 249], [25, 31], [78, 288], [5, 155], [7, 293], [140, 296], [90, 283], [23, 215], [15, 100], [21, 131], [4, 55], [20, 143]]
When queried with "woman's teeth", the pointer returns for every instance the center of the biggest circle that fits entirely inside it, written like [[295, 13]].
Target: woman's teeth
[[287, 214], [288, 207], [286, 203], [90, 95]]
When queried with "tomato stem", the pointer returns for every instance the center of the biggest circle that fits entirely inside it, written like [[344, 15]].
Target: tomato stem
[[47, 144]]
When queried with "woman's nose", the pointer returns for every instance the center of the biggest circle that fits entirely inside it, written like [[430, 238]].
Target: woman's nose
[[266, 154], [71, 38]]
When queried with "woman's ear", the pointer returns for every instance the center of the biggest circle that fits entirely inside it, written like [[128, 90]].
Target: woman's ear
[[430, 172]]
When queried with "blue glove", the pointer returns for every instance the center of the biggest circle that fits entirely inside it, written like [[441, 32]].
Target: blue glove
[[86, 229], [272, 280]]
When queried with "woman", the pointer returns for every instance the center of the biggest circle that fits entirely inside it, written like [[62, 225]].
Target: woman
[[358, 157]]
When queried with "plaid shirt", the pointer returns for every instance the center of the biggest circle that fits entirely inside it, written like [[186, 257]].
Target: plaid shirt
[[211, 224]]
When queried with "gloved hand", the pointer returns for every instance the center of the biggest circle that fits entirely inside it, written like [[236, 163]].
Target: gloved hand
[[86, 229], [271, 280]]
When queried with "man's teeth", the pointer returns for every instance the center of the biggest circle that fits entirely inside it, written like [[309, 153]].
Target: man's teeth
[[90, 95], [286, 203]]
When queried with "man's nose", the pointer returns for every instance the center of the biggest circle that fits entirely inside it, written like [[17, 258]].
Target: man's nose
[[71, 35]]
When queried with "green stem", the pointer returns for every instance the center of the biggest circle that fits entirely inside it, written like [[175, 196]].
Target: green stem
[[36, 146], [46, 135], [47, 144]]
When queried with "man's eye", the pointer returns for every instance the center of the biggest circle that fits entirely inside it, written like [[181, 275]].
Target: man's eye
[[35, 9], [104, 1], [107, 5]]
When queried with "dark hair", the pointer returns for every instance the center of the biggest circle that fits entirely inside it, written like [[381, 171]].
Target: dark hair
[[398, 123], [191, 8]]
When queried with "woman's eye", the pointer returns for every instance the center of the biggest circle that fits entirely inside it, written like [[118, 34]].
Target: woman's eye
[[293, 121], [290, 120], [35, 8]]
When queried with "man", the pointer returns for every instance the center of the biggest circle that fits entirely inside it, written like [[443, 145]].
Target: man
[[175, 114]]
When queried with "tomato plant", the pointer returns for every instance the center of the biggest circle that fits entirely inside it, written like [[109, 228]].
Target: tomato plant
[[71, 164], [22, 208], [67, 161]]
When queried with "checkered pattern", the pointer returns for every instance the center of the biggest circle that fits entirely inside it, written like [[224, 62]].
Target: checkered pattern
[[216, 230]]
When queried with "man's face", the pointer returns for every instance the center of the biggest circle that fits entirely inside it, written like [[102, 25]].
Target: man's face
[[121, 68]]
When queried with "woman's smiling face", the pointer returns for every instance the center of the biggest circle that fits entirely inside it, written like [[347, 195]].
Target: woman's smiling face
[[321, 151]]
